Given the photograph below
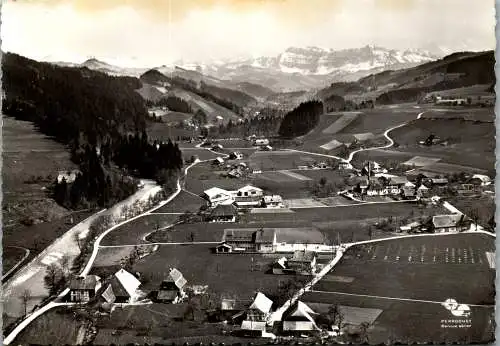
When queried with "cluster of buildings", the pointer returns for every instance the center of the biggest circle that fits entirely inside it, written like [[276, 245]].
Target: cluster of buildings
[[478, 100], [124, 288], [272, 240], [256, 318], [226, 203]]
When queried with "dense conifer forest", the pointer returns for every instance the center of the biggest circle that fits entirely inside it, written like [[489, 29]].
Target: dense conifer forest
[[301, 120]]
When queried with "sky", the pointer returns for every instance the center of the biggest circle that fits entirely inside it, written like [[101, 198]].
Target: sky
[[145, 33]]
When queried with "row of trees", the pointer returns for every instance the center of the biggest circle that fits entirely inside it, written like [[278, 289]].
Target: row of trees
[[301, 120]]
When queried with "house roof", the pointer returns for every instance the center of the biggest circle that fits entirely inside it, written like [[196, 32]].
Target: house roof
[[127, 281], [273, 199], [305, 235], [439, 181], [299, 311], [108, 294], [177, 278], [219, 159], [88, 282], [238, 235], [398, 180], [423, 187], [224, 210], [482, 177], [409, 191], [214, 191], [261, 303], [248, 188], [265, 235], [281, 263], [302, 256], [441, 221]]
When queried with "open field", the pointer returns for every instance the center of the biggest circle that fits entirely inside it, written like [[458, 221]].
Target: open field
[[200, 266], [184, 201], [420, 161], [11, 256], [427, 268], [202, 154], [280, 160], [55, 327], [133, 232], [349, 223], [469, 143], [31, 162], [408, 321], [175, 117], [368, 124], [486, 114], [346, 119]]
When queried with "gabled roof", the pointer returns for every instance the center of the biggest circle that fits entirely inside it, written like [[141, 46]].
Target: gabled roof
[[398, 180], [262, 303], [423, 187], [127, 281], [247, 188], [441, 221], [214, 191], [265, 235], [299, 311], [482, 177], [88, 282], [177, 278], [439, 180], [238, 235], [281, 263]]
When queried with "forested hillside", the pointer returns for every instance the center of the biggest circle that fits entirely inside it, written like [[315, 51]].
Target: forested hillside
[[101, 118], [301, 120]]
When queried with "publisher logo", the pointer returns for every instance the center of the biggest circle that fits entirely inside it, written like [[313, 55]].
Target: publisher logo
[[462, 313]]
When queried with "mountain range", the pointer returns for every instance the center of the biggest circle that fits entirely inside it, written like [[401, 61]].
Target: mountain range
[[294, 69]]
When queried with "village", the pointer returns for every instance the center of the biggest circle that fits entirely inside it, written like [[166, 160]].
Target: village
[[297, 250]]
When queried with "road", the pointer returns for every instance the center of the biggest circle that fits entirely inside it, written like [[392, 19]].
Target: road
[[21, 261], [31, 276]]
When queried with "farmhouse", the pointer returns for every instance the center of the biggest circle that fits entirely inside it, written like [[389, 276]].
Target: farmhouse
[[423, 191], [123, 287], [274, 201], [218, 161], [269, 240], [449, 223], [261, 142], [345, 165], [302, 262], [483, 179], [248, 197], [437, 182], [236, 155], [68, 176], [408, 192], [234, 173], [411, 227], [257, 314], [83, 289], [223, 213], [216, 196], [172, 289], [299, 318]]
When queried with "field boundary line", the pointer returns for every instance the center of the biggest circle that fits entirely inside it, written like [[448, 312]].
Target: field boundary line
[[394, 298]]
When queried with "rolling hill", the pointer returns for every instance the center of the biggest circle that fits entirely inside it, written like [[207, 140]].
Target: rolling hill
[[457, 70]]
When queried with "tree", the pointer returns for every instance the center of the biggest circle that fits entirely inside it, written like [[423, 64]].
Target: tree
[[65, 262], [370, 232], [78, 241], [363, 331], [333, 314], [54, 278], [191, 237], [25, 298]]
